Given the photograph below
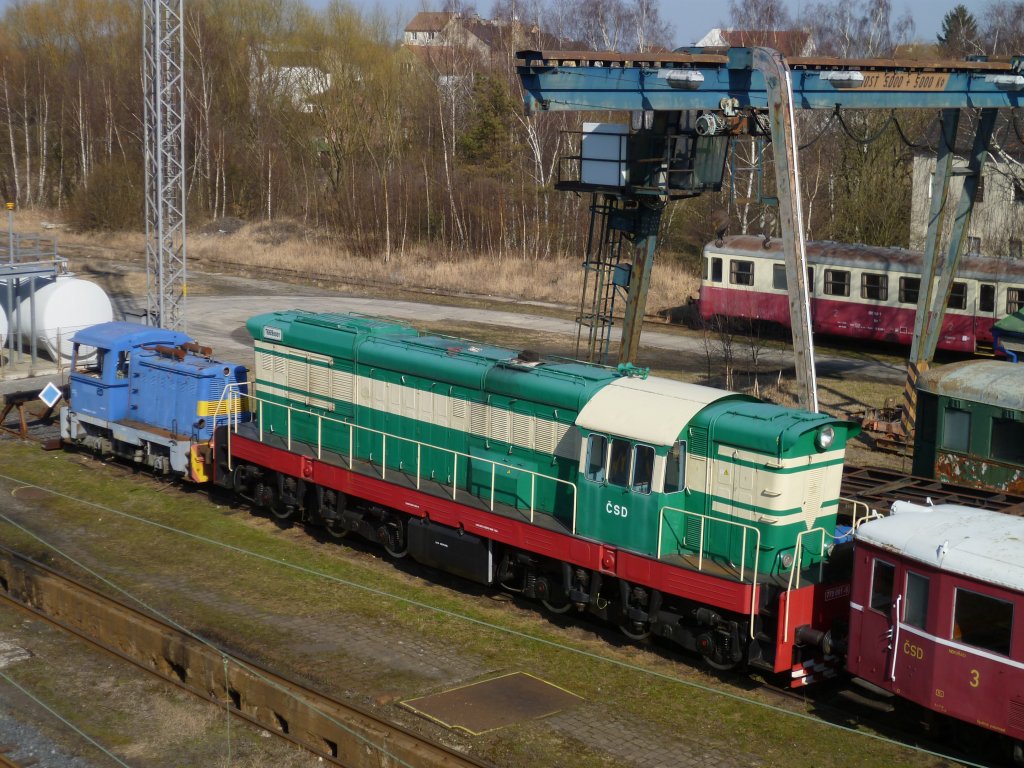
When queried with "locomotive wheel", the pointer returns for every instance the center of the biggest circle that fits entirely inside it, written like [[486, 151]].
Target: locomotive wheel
[[393, 539], [721, 666], [335, 529]]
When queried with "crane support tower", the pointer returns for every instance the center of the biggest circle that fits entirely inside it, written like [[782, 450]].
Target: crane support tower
[[681, 102], [164, 96]]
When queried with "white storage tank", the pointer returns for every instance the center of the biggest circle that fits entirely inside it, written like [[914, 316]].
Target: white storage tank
[[3, 331], [62, 305]]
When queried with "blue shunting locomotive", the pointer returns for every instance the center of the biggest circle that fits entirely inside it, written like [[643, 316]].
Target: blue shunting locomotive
[[151, 396]]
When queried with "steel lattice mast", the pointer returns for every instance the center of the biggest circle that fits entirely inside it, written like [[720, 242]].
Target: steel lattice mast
[[163, 48]]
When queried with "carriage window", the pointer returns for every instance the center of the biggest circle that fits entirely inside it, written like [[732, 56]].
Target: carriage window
[[675, 468], [957, 296], [956, 430], [741, 272], [716, 269], [982, 621], [1014, 300], [779, 277], [618, 467], [810, 279], [1007, 440], [916, 611], [986, 298], [974, 243], [881, 585], [837, 282], [597, 447], [910, 287], [643, 468], [874, 287]]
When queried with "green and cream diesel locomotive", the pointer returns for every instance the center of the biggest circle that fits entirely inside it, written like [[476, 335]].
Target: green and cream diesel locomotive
[[700, 515]]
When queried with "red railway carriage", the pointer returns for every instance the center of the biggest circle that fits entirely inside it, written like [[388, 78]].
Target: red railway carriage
[[937, 612], [857, 291]]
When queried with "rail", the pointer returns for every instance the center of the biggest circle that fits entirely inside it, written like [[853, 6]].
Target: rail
[[354, 429], [704, 519]]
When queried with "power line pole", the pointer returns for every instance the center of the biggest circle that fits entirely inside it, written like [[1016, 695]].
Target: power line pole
[[163, 45]]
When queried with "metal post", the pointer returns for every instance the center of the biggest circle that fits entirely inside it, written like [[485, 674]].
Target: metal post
[[32, 322], [648, 219]]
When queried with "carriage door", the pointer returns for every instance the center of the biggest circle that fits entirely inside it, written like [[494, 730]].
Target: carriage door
[[985, 314], [874, 658]]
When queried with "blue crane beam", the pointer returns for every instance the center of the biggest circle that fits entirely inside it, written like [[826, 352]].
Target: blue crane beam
[[574, 81]]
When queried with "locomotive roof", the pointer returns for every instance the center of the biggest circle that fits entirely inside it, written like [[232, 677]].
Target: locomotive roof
[[658, 410], [854, 255], [976, 543], [121, 335], [992, 382]]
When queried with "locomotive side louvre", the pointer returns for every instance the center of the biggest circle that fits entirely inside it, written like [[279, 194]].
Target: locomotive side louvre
[[857, 291], [937, 606]]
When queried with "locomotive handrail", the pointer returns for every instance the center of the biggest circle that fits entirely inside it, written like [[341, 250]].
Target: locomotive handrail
[[259, 401], [796, 568], [700, 549]]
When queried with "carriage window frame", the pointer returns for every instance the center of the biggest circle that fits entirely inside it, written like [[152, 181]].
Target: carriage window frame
[[741, 272], [910, 290], [641, 478], [957, 296], [1014, 299], [620, 459], [837, 282], [956, 429], [874, 286], [779, 282], [715, 269], [915, 607], [675, 468], [982, 621], [877, 601]]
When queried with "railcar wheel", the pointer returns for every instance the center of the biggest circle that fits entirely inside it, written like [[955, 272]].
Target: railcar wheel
[[636, 631], [335, 529], [392, 537], [716, 663], [557, 607]]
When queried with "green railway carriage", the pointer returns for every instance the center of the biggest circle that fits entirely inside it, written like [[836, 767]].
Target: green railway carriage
[[665, 469]]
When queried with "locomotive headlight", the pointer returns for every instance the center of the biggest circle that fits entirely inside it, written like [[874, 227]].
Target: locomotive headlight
[[825, 439]]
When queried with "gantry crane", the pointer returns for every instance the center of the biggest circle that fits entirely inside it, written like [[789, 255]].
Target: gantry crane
[[680, 88]]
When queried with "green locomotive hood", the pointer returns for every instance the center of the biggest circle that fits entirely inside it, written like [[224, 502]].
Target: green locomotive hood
[[773, 429]]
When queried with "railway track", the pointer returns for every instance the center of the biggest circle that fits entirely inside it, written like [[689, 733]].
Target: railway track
[[879, 488], [339, 733]]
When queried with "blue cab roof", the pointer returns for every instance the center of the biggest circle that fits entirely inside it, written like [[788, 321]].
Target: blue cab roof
[[121, 335]]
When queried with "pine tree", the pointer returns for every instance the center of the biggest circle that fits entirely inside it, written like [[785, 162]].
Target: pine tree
[[959, 35]]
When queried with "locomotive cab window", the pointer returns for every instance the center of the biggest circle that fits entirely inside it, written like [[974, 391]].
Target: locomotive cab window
[[882, 578], [741, 272], [90, 366], [915, 612], [1007, 440], [910, 287], [597, 449], [986, 297], [957, 296], [715, 269], [618, 462], [837, 282], [982, 621], [956, 430], [874, 287], [1014, 299], [643, 469], [675, 468]]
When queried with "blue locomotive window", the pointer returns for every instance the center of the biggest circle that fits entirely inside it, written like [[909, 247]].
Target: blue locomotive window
[[882, 578], [675, 468], [123, 359], [597, 448], [915, 613], [1007, 440], [910, 288], [982, 621], [618, 464], [643, 468], [741, 272], [956, 430]]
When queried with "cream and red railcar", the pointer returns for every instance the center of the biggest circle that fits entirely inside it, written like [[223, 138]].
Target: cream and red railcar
[[857, 291]]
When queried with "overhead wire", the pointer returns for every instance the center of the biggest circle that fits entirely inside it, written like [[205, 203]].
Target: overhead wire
[[376, 591]]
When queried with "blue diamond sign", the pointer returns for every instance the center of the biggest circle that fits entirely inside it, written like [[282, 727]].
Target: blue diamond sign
[[50, 395]]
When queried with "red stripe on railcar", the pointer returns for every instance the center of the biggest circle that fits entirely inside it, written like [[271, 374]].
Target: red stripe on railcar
[[585, 553]]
